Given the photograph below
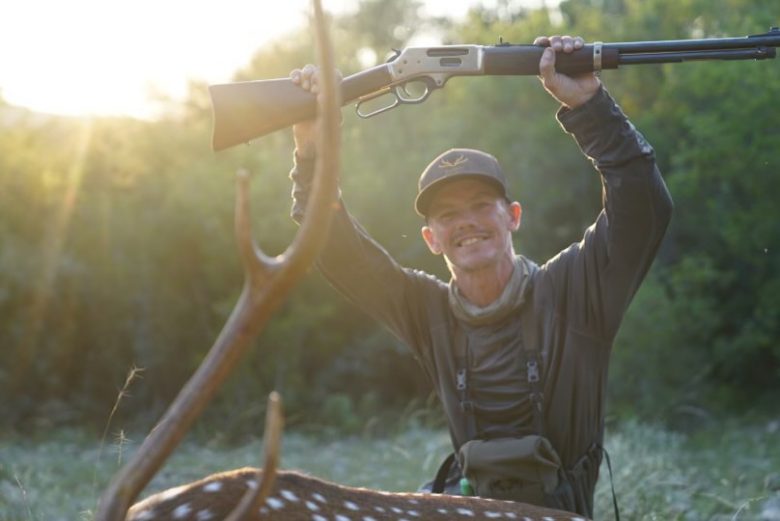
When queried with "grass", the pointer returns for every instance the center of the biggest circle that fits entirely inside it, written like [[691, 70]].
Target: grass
[[724, 473]]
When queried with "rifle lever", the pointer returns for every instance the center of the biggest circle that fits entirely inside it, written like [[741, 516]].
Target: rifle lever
[[401, 96], [375, 95]]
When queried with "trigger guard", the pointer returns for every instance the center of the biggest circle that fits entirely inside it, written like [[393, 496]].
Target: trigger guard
[[403, 96]]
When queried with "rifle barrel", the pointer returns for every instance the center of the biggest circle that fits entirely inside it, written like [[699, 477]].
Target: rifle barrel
[[760, 53], [769, 39]]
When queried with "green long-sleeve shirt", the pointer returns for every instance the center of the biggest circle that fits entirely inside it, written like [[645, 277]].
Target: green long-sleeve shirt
[[573, 305]]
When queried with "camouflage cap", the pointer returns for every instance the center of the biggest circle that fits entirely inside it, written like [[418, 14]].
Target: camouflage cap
[[457, 163]]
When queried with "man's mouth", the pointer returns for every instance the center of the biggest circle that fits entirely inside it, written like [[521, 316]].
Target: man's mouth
[[468, 241]]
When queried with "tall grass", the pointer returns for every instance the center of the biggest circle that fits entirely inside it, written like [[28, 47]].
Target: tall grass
[[725, 473]]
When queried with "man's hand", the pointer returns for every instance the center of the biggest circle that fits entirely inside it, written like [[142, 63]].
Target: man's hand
[[569, 91], [305, 133]]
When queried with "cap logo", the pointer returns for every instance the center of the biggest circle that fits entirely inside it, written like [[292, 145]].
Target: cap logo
[[455, 162]]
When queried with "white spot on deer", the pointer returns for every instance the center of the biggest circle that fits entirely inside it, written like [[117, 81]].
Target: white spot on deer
[[368, 518], [396, 510], [289, 495], [414, 501], [465, 512], [547, 518], [352, 506], [317, 517], [340, 517], [492, 515], [577, 519], [215, 486], [182, 511], [312, 506], [441, 510], [204, 515], [251, 483], [319, 497], [275, 503], [379, 509], [413, 513], [264, 510]]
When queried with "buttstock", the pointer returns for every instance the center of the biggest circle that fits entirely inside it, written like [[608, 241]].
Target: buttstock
[[246, 110]]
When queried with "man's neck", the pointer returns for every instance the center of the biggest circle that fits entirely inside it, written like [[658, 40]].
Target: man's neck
[[485, 286]]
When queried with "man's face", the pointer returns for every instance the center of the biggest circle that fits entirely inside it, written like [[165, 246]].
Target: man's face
[[471, 224]]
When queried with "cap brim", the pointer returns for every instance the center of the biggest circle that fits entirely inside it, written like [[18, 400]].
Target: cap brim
[[423, 200]]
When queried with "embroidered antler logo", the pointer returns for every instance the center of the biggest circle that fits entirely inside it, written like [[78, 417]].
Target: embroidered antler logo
[[455, 162]]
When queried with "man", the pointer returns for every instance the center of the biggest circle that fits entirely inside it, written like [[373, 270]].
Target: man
[[518, 353]]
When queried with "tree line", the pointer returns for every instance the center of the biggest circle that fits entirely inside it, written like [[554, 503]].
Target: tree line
[[116, 246]]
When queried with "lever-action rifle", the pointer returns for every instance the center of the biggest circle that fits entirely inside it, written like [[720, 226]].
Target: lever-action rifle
[[247, 110]]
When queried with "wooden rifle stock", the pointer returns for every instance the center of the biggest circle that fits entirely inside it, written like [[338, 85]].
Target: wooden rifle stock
[[250, 109]]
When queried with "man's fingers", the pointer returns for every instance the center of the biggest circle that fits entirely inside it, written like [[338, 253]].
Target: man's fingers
[[547, 65], [565, 43], [543, 41], [308, 77]]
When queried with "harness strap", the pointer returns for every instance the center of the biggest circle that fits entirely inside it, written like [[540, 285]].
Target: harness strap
[[440, 481], [611, 483], [533, 366], [462, 383]]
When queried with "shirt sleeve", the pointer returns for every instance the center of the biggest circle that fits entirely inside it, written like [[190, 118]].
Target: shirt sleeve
[[364, 272], [594, 280]]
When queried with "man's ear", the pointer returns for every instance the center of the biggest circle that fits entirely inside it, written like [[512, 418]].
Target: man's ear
[[430, 240], [515, 215]]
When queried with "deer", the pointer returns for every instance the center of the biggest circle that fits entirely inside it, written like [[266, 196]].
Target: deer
[[250, 494]]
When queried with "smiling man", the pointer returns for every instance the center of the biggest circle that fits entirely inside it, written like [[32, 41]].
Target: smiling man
[[517, 353]]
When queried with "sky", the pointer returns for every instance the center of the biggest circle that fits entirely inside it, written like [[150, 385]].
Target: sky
[[114, 57]]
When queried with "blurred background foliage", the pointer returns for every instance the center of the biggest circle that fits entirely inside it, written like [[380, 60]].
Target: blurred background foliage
[[116, 245]]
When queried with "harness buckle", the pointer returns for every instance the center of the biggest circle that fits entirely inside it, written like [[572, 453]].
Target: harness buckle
[[460, 382], [533, 371]]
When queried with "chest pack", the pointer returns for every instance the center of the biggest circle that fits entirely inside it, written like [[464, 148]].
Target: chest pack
[[517, 467]]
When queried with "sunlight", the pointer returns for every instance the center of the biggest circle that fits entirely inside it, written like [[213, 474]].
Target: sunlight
[[51, 252], [92, 57], [97, 57]]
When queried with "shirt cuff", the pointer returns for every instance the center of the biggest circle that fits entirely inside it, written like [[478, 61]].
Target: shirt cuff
[[594, 113]]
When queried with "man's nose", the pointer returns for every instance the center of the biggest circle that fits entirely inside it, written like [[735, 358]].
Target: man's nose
[[465, 219]]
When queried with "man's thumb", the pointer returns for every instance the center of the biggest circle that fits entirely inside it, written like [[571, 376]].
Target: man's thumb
[[547, 64]]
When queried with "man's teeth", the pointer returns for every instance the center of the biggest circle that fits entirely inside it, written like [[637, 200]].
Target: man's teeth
[[469, 241]]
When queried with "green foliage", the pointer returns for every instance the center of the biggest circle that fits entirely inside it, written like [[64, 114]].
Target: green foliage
[[116, 241]]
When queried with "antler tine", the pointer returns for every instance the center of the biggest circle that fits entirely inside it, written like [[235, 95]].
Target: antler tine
[[253, 498], [310, 238], [261, 295], [258, 266]]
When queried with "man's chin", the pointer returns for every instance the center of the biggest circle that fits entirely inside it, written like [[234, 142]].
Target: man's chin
[[474, 263]]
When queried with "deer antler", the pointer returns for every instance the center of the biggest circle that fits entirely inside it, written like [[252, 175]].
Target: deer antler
[[267, 282]]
